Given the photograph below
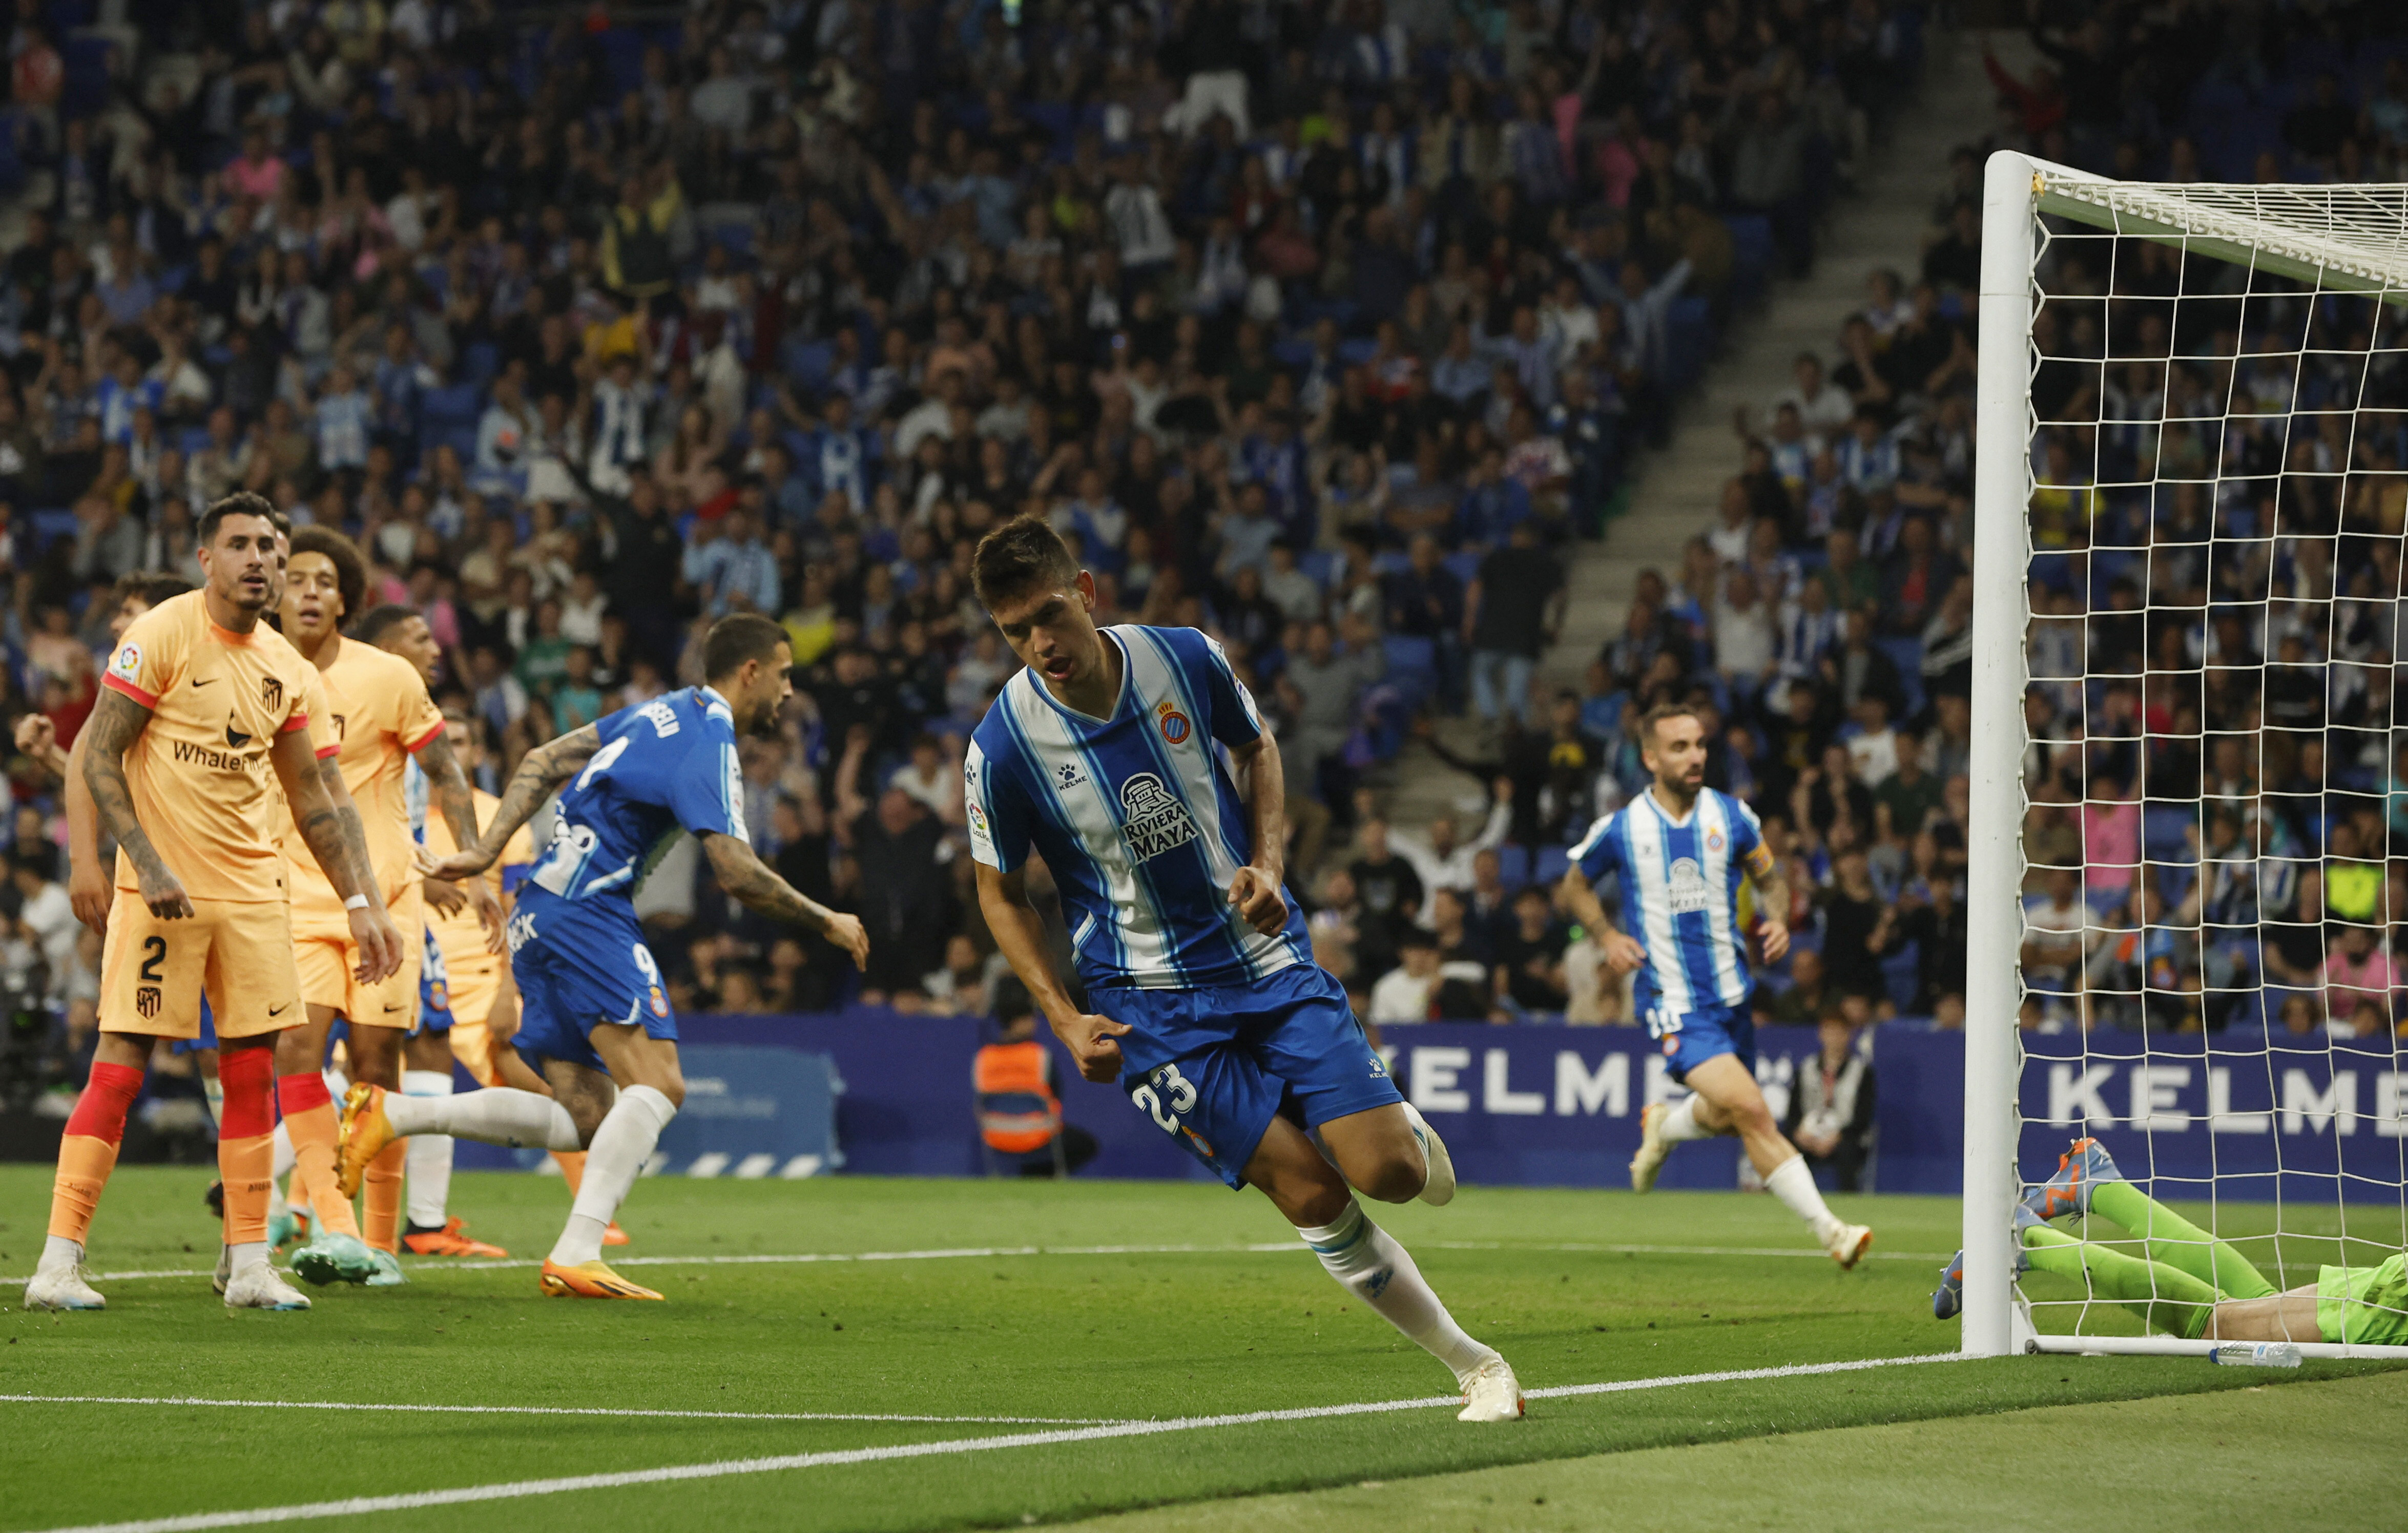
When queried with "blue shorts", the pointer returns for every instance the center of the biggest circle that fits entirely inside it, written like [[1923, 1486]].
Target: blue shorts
[[575, 970], [1212, 1066], [434, 991], [1689, 1041], [209, 1038]]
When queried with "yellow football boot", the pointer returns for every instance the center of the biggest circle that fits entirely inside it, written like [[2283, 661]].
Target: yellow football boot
[[589, 1279], [364, 1134]]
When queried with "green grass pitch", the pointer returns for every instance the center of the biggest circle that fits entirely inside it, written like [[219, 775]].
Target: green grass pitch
[[1575, 1287]]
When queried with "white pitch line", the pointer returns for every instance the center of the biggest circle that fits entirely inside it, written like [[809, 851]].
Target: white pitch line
[[511, 1490], [383, 1407], [960, 1253]]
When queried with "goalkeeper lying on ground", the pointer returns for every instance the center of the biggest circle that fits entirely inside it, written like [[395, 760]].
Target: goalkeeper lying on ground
[[2190, 1285]]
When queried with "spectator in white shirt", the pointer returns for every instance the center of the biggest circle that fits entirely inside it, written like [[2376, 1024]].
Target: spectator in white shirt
[[1744, 632], [1824, 408], [1404, 992], [1440, 858]]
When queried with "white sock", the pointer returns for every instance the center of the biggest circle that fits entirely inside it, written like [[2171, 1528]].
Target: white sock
[[336, 1084], [1368, 1262], [1794, 1185], [213, 1093], [1680, 1121], [244, 1252], [59, 1252], [523, 1120], [612, 1162], [428, 1163]]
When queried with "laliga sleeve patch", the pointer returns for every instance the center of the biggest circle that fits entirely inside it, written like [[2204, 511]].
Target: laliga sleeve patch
[[127, 664]]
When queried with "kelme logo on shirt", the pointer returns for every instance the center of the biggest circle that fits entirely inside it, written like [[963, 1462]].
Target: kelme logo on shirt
[[1688, 887], [1153, 820]]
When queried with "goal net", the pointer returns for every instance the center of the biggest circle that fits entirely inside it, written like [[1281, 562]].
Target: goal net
[[2190, 805]]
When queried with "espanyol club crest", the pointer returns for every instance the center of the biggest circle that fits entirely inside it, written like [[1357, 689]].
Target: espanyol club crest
[[1714, 840], [660, 1003], [1175, 727]]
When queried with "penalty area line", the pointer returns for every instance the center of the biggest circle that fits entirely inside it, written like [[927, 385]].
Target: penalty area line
[[724, 1468], [384, 1408]]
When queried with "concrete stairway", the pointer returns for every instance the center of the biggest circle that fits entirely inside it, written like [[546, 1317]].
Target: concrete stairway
[[1878, 224]]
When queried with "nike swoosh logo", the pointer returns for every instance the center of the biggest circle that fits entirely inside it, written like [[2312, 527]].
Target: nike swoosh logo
[[393, 1008], [202, 681], [279, 1010]]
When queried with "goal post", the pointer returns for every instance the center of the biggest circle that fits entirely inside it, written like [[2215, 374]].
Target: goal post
[[2249, 470]]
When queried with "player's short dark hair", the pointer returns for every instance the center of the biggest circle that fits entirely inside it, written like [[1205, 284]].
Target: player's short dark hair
[[738, 637], [380, 621], [1661, 712], [149, 587], [241, 503], [350, 571], [1023, 554]]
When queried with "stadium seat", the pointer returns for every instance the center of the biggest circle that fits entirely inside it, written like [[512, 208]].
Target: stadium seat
[[1547, 868], [1464, 567], [51, 523], [1413, 663], [2162, 832], [1514, 864]]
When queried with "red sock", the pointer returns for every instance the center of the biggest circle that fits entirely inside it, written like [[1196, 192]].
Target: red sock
[[88, 1150], [246, 1146]]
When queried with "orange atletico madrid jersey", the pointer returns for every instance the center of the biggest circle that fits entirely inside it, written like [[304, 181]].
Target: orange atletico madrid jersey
[[379, 713], [203, 786]]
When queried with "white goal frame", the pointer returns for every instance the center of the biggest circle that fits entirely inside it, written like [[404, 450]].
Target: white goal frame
[[2017, 188]]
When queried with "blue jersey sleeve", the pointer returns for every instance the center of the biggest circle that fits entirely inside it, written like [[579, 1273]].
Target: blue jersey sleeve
[[997, 807], [1236, 721], [1594, 855], [708, 794]]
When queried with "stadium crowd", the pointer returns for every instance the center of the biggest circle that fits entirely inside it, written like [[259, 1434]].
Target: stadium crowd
[[1314, 325], [1321, 326]]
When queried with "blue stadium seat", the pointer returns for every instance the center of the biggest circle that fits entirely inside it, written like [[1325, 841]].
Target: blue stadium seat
[[51, 523], [1548, 866], [1413, 663], [1465, 567], [2161, 831], [1688, 338], [480, 363], [1321, 564], [1901, 974], [1514, 864], [1752, 255], [86, 91]]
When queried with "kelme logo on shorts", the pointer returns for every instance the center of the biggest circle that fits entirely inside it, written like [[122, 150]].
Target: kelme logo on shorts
[[1155, 821]]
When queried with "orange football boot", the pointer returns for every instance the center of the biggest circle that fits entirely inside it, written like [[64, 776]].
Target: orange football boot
[[361, 1136], [614, 1235], [449, 1241], [589, 1279]]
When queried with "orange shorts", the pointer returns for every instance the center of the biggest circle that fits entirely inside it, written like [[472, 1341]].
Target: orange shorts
[[326, 956], [238, 952]]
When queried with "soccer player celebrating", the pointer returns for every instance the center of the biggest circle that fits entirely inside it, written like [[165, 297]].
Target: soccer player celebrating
[[1680, 850], [198, 702], [2189, 1283], [594, 1012], [1134, 761], [381, 716]]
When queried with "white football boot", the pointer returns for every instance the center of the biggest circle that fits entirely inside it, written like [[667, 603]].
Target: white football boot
[[1649, 1163], [1492, 1392], [64, 1286], [1437, 1183], [259, 1286], [1848, 1244]]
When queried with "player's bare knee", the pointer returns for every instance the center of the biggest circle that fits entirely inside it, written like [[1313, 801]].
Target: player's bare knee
[[1394, 1179], [670, 1084]]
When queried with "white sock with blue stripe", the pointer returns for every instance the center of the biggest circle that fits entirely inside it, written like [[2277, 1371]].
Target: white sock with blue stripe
[[1368, 1262], [428, 1163]]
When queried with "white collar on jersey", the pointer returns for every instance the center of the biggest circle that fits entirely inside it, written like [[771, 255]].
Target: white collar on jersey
[[710, 694], [1676, 822], [1120, 700]]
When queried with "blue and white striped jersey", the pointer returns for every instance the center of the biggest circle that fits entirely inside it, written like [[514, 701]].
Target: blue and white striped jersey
[[1679, 895], [663, 767], [1138, 816]]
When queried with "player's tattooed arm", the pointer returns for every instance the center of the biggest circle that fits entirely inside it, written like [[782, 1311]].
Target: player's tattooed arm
[[754, 884], [541, 773], [448, 787], [116, 720], [329, 824], [1771, 902], [1256, 889]]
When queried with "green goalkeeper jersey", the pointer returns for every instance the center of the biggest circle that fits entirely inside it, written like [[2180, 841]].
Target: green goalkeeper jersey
[[2364, 1304]]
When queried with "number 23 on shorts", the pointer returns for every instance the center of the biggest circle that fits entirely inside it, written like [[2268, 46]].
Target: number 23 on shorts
[[1166, 1088]]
